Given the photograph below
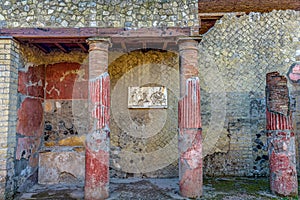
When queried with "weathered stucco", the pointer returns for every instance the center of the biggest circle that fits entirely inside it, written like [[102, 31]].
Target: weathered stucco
[[30, 125]]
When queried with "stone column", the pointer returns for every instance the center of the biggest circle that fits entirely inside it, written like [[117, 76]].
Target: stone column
[[189, 121], [97, 140], [281, 137], [9, 61]]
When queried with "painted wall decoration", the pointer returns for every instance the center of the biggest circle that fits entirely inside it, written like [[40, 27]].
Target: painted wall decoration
[[147, 97]]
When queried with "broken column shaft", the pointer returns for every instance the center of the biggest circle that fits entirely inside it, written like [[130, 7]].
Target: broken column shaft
[[97, 140], [281, 137], [189, 122]]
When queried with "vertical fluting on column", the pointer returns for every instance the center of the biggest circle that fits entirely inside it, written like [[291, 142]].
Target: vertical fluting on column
[[189, 122], [281, 138], [97, 141]]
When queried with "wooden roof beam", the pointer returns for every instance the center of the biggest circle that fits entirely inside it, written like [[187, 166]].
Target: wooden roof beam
[[43, 48], [217, 15], [56, 33], [83, 47], [62, 47]]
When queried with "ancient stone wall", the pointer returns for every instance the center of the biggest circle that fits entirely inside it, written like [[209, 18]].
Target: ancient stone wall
[[103, 13], [9, 59], [236, 54]]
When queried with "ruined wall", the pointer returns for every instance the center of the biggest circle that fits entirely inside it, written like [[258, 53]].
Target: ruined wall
[[45, 89], [103, 13], [66, 123], [66, 94], [30, 124], [66, 118], [9, 60], [236, 54], [144, 141]]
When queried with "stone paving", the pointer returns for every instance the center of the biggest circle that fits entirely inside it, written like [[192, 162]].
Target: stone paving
[[157, 189]]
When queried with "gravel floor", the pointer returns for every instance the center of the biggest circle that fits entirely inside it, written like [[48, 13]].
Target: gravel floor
[[157, 189]]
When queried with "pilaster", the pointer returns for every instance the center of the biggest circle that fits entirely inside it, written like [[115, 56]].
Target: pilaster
[[9, 60]]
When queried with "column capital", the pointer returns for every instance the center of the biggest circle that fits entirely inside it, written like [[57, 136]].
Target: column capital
[[92, 42], [183, 39], [185, 43]]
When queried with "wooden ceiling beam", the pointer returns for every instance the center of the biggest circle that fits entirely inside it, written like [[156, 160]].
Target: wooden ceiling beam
[[247, 6], [62, 47], [54, 33], [83, 47], [43, 48], [52, 40], [217, 15]]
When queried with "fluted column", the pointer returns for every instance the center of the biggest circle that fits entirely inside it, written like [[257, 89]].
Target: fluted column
[[97, 140], [281, 137], [189, 121]]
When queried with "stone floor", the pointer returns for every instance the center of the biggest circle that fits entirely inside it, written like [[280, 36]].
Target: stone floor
[[160, 189]]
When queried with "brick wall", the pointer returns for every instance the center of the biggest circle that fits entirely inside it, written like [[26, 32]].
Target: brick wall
[[9, 59]]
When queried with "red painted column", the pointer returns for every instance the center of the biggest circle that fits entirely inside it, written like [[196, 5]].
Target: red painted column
[[281, 138], [97, 141], [189, 122]]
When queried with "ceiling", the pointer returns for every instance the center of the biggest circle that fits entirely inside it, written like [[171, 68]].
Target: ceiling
[[68, 39]]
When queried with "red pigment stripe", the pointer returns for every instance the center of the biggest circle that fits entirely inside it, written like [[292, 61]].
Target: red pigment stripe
[[277, 121], [189, 106]]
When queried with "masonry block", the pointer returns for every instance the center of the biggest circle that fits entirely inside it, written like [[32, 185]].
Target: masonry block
[[61, 167]]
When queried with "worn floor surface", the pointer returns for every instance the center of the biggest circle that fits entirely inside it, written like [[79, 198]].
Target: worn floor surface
[[160, 189]]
